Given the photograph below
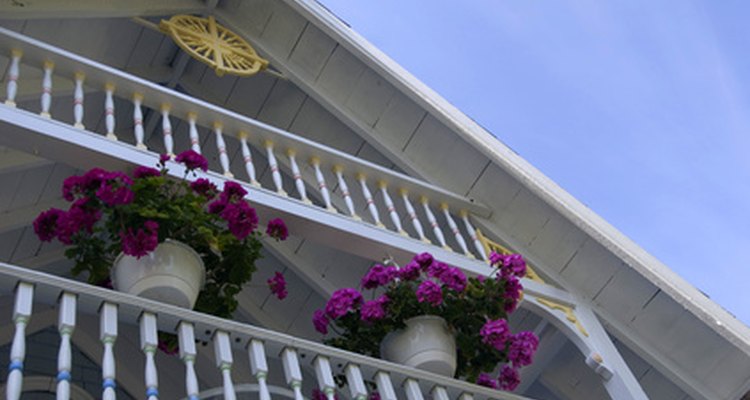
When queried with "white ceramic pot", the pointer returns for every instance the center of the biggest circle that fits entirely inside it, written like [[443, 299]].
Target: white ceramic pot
[[426, 344], [172, 274]]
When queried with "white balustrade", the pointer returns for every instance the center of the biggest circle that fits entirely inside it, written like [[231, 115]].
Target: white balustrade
[[21, 316], [439, 393], [356, 384], [195, 142], [325, 377], [385, 386], [368, 199], [413, 215], [322, 187], [47, 89], [78, 100], [109, 110], [259, 367], [66, 323], [473, 234], [222, 148], [13, 73], [274, 166], [454, 228], [433, 223], [339, 171], [149, 344], [186, 337], [138, 120], [413, 392], [224, 360], [297, 176], [292, 371], [247, 157], [166, 130], [466, 396], [383, 186], [108, 335]]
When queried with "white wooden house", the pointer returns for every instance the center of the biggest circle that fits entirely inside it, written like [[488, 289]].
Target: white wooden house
[[87, 77]]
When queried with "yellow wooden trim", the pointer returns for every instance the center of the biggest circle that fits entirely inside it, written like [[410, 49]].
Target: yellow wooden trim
[[214, 45], [567, 310]]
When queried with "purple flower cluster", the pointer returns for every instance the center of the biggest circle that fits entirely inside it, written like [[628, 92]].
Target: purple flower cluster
[[429, 292], [510, 265], [410, 271], [145, 172], [424, 260], [495, 333], [277, 229], [320, 321], [142, 241], [373, 310], [80, 217], [204, 187], [378, 275], [241, 219], [116, 190], [486, 381], [277, 284], [192, 160], [454, 279], [522, 347], [45, 225], [513, 292], [342, 301], [509, 379]]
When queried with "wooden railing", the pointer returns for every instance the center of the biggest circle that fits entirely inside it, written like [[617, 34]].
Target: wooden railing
[[280, 148], [232, 343]]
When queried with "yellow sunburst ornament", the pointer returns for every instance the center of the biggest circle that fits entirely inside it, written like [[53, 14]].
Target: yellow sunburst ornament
[[218, 47]]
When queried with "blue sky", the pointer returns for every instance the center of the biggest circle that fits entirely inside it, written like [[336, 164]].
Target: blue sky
[[640, 109]]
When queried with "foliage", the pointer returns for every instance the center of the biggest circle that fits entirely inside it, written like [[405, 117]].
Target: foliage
[[475, 310], [112, 212]]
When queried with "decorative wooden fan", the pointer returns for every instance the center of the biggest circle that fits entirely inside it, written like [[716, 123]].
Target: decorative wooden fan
[[221, 49]]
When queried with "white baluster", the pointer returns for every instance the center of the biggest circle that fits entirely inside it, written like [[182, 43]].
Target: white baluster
[[108, 335], [166, 130], [454, 228], [138, 121], [297, 175], [339, 171], [292, 372], [259, 367], [149, 344], [325, 377], [473, 234], [247, 157], [411, 387], [21, 316], [383, 186], [433, 222], [385, 386], [13, 73], [466, 396], [223, 157], [322, 187], [355, 382], [439, 393], [274, 165], [66, 323], [370, 202], [47, 88], [186, 336], [109, 110], [78, 100], [195, 142], [413, 215], [224, 360]]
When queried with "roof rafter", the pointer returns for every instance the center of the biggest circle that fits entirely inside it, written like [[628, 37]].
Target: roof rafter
[[43, 9]]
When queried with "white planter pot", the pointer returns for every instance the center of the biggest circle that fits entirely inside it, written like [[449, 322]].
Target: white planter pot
[[172, 274], [426, 344]]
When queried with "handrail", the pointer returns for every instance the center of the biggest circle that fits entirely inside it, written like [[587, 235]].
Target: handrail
[[33, 287], [154, 96]]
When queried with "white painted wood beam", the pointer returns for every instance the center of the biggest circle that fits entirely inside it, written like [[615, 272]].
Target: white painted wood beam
[[551, 341], [44, 9]]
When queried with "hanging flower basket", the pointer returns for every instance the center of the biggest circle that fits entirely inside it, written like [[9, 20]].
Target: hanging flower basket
[[426, 344]]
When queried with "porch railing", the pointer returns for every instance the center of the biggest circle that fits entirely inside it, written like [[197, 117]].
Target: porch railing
[[305, 364], [428, 213]]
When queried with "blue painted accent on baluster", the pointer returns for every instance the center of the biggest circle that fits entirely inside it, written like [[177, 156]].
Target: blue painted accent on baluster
[[109, 383], [17, 364], [152, 392], [63, 376]]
